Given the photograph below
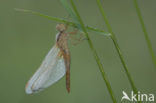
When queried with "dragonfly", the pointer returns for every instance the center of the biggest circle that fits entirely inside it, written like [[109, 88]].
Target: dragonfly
[[55, 65]]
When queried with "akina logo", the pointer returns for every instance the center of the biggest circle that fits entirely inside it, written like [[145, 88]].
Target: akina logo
[[137, 97]]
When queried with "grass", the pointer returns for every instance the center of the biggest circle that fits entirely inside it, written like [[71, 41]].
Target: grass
[[62, 20], [113, 38], [145, 32], [104, 76]]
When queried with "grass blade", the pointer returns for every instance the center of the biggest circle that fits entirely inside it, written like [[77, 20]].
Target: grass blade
[[69, 10], [61, 20], [95, 54], [145, 32], [117, 48]]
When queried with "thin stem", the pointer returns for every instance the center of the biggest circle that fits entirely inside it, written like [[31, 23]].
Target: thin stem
[[145, 32], [94, 53], [117, 47], [64, 21]]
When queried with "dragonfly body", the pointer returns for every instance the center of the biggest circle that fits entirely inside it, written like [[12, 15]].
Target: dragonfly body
[[62, 42]]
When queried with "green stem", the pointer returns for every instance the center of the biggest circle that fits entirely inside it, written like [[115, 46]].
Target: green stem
[[117, 47], [63, 21], [145, 32], [94, 53]]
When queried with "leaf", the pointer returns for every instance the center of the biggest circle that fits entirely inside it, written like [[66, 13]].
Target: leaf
[[62, 20], [98, 31], [71, 13]]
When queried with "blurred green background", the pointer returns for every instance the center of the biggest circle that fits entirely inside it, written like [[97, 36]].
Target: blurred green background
[[25, 39]]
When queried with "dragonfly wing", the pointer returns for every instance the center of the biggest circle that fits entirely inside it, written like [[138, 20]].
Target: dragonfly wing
[[51, 70]]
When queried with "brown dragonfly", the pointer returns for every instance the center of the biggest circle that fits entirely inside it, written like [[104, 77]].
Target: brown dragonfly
[[55, 65]]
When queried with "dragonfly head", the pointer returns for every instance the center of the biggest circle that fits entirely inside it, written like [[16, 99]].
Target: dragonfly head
[[61, 27]]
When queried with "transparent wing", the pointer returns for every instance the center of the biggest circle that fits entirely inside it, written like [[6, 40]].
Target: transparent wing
[[51, 70]]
